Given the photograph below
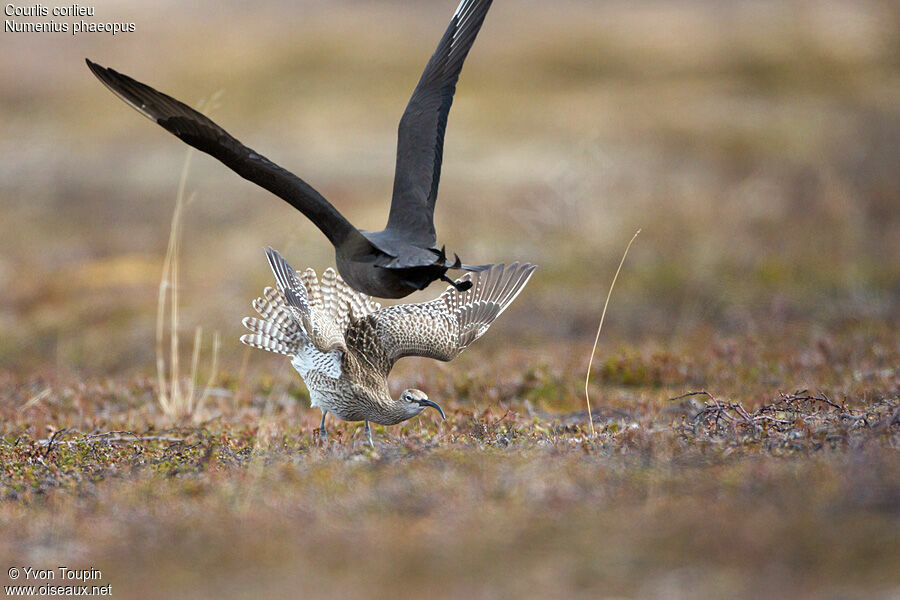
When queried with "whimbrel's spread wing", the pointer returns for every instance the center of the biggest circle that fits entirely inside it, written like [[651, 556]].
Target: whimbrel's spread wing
[[420, 143], [203, 134], [445, 326]]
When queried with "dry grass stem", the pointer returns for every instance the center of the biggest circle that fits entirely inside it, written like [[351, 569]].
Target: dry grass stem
[[587, 378], [45, 393], [175, 401]]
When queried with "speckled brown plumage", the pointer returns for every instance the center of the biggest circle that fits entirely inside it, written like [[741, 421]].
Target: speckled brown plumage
[[344, 344]]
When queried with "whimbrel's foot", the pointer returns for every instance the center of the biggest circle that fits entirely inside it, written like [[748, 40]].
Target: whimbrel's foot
[[369, 436]]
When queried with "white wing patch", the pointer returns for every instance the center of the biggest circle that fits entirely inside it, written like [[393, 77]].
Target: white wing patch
[[328, 364]]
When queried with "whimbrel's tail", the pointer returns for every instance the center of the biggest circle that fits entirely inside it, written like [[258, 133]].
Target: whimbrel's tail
[[320, 309]]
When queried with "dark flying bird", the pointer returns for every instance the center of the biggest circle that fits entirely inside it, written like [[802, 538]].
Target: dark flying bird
[[393, 262]]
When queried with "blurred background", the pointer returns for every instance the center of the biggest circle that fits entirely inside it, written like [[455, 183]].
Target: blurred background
[[755, 143]]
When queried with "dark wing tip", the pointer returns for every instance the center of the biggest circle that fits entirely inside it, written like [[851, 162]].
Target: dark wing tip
[[139, 96], [420, 145], [105, 74]]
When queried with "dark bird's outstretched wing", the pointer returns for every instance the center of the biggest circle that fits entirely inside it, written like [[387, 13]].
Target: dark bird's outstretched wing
[[420, 143], [203, 134]]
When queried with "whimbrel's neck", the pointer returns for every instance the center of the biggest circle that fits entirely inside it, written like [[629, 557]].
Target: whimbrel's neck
[[388, 411]]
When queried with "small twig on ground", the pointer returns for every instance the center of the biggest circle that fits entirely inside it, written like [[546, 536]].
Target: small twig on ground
[[108, 437], [53, 437], [802, 396], [814, 418], [689, 394]]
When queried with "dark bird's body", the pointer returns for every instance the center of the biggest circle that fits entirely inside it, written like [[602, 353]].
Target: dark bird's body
[[393, 262]]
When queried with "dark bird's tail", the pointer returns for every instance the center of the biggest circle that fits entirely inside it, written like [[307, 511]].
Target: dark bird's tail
[[461, 285], [473, 268], [457, 263]]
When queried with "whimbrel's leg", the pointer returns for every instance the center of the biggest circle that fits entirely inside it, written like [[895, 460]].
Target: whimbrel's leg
[[369, 435], [322, 433]]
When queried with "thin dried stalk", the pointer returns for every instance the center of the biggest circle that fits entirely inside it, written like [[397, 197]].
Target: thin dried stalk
[[212, 374], [587, 378], [173, 398], [169, 394], [192, 380]]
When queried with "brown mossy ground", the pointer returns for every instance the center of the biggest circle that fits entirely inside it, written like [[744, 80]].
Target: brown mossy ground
[[766, 490]]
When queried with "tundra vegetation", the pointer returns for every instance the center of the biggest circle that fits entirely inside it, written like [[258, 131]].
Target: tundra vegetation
[[745, 389]]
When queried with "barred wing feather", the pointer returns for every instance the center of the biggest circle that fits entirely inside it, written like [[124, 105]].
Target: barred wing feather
[[447, 325]]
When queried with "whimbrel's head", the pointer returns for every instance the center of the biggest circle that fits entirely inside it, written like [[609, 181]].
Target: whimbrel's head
[[415, 401]]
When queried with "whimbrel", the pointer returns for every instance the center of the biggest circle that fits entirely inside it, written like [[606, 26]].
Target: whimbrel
[[401, 258], [344, 344]]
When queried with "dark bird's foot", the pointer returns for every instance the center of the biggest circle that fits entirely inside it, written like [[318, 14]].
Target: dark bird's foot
[[461, 286]]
